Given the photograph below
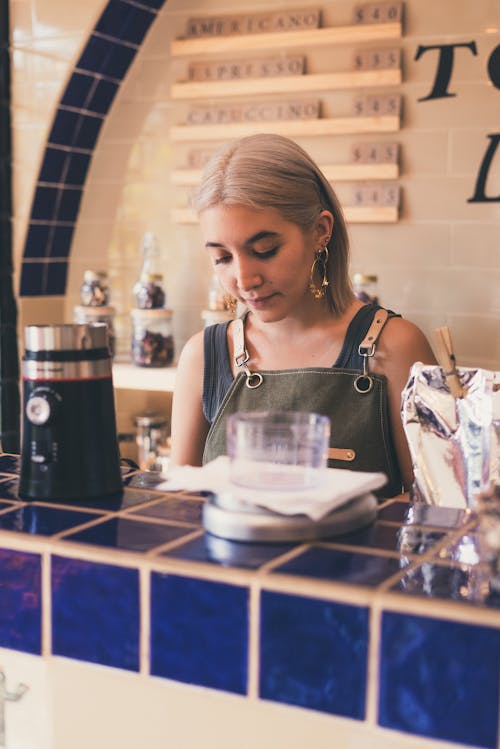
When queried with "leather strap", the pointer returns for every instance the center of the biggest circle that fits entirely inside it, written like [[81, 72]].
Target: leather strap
[[240, 354], [339, 453], [367, 345]]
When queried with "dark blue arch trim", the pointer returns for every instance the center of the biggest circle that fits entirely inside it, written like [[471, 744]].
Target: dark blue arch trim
[[80, 114]]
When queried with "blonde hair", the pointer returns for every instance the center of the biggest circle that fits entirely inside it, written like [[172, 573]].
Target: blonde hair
[[271, 171]]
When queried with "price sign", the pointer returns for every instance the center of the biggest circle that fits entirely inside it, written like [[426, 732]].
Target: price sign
[[375, 153], [378, 13], [377, 59], [377, 105], [377, 195]]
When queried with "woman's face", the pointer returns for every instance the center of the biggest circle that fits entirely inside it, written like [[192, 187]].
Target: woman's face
[[260, 258]]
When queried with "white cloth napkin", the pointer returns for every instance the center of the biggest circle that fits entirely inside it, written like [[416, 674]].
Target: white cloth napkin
[[336, 487]]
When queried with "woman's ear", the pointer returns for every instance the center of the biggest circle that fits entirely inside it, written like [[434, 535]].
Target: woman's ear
[[324, 227]]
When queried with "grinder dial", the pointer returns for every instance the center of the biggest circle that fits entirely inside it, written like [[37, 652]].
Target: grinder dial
[[41, 406]]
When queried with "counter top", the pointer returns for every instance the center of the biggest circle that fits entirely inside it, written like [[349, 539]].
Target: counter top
[[392, 625]]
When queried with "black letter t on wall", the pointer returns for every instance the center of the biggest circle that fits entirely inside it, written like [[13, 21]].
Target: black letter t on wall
[[445, 67]]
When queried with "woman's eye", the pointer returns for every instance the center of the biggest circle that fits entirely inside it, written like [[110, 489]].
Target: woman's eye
[[223, 259], [267, 253]]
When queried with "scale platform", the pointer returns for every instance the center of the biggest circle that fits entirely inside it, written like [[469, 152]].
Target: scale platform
[[231, 518]]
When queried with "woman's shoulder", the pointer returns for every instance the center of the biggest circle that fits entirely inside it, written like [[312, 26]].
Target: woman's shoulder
[[403, 340], [192, 351]]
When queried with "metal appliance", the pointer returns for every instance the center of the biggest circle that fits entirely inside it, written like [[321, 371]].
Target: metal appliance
[[69, 444]]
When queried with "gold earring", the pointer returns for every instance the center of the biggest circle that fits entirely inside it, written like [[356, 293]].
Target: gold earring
[[230, 303], [320, 260]]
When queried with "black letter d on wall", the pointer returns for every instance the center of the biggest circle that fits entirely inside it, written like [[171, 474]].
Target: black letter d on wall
[[479, 192]]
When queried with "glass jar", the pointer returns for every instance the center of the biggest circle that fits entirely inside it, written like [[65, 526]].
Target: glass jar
[[365, 288], [151, 438], [149, 290], [152, 337], [94, 291], [86, 315]]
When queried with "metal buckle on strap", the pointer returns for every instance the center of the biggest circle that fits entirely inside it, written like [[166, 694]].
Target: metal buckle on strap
[[241, 359]]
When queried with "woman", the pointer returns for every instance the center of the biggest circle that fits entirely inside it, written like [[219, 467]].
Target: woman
[[276, 236]]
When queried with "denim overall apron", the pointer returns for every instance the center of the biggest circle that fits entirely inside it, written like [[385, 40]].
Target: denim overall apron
[[355, 401]]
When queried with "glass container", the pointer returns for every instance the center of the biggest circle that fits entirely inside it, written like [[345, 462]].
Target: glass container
[[94, 291], [152, 337]]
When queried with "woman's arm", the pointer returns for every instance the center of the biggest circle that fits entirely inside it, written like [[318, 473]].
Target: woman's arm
[[401, 344], [189, 426]]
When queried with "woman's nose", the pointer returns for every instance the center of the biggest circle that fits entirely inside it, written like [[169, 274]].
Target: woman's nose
[[247, 275]]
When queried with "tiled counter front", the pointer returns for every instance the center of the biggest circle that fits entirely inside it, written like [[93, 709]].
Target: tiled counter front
[[388, 635]]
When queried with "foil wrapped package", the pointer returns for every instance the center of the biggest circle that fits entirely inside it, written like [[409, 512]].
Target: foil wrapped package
[[454, 442]]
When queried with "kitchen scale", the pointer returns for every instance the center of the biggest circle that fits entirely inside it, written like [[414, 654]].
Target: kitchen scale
[[230, 517]]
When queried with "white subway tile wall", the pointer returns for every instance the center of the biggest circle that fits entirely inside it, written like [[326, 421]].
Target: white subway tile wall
[[440, 264]]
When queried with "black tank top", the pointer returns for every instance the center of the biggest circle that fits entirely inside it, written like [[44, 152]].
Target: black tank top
[[217, 374]]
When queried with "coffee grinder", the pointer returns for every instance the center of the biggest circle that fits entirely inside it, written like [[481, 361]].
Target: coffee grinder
[[69, 444]]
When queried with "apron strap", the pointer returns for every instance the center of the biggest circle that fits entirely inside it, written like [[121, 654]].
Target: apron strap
[[368, 343], [240, 353], [254, 379], [364, 383]]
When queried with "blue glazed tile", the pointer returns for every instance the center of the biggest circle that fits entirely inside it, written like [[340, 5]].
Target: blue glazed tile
[[60, 241], [45, 203], [344, 566], [209, 548], [102, 97], [125, 22], [121, 533], [55, 284], [199, 632], [43, 521], [53, 165], [69, 204], [314, 654], [75, 129], [125, 499], [95, 612], [37, 241], [20, 601], [182, 510], [88, 132], [10, 464], [404, 539], [78, 90], [421, 514], [48, 240], [32, 278], [157, 4], [106, 57], [468, 584], [64, 128], [77, 167], [439, 679]]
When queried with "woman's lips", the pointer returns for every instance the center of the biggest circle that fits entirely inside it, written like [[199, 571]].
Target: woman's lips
[[259, 301]]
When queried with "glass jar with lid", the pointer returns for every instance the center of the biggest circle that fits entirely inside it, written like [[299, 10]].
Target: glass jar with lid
[[365, 288], [152, 337], [94, 291], [149, 290]]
